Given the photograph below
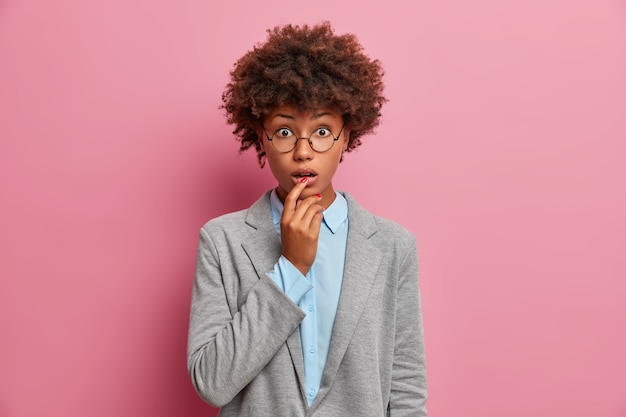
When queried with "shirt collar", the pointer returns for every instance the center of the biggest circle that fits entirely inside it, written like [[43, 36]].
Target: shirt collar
[[334, 216]]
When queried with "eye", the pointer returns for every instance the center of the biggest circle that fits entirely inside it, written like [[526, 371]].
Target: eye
[[283, 132], [322, 132]]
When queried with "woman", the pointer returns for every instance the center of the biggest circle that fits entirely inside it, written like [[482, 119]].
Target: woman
[[305, 304]]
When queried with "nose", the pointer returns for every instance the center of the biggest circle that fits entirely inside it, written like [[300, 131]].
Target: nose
[[303, 150]]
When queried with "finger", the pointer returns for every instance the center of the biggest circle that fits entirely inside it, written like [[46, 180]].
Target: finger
[[316, 221], [313, 217], [291, 200], [301, 218], [308, 208]]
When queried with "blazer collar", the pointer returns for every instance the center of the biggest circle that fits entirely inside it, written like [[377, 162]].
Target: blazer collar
[[261, 243], [259, 215], [361, 221]]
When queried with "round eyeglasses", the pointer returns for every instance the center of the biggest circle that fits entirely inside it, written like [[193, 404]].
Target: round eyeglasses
[[321, 140]]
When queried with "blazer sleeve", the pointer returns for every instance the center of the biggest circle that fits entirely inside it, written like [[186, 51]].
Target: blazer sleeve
[[229, 346], [408, 382]]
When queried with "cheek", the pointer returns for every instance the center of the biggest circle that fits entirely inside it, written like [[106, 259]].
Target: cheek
[[333, 163], [277, 167]]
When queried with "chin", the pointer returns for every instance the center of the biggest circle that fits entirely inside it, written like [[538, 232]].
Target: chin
[[307, 193]]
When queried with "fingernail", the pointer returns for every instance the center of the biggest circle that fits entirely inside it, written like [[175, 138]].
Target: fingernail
[[304, 179], [318, 195]]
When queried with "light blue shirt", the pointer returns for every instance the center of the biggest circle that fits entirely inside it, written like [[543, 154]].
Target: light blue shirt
[[317, 292]]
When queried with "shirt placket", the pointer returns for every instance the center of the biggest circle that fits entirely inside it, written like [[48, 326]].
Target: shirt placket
[[308, 332]]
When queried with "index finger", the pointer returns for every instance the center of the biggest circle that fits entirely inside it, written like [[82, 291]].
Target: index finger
[[292, 197]]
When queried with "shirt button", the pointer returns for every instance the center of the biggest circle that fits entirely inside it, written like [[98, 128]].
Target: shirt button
[[312, 349], [311, 392], [310, 307]]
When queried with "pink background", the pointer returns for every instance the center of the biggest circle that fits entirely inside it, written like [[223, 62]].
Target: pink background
[[502, 149]]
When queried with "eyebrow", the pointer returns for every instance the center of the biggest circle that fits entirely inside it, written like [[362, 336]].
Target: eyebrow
[[290, 117]]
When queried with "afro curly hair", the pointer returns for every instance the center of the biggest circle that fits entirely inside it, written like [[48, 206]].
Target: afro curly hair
[[308, 67]]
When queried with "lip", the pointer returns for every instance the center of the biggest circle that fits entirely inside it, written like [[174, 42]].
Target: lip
[[296, 176]]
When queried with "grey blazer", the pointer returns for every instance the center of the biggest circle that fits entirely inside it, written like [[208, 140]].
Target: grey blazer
[[244, 352]]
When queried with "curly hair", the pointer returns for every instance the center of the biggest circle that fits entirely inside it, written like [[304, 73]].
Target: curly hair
[[308, 67]]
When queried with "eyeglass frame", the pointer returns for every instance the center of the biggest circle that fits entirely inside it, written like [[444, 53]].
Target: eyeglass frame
[[295, 142]]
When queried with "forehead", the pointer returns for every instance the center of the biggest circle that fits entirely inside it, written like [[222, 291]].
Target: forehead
[[289, 112]]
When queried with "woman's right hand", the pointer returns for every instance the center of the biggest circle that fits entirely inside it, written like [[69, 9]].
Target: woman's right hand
[[300, 227]]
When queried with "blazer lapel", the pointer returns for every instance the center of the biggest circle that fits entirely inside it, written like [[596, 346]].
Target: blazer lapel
[[261, 243], [295, 350], [362, 261], [263, 247]]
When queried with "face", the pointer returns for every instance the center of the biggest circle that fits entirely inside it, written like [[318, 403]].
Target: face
[[289, 167]]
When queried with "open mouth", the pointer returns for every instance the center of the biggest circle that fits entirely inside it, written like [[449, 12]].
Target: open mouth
[[304, 173], [301, 174]]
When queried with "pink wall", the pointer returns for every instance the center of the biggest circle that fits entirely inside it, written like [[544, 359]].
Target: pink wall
[[502, 149]]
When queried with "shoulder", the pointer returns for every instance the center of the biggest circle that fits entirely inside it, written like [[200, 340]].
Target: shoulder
[[226, 221], [240, 221], [376, 227]]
